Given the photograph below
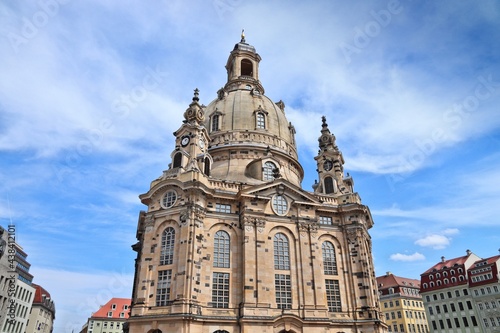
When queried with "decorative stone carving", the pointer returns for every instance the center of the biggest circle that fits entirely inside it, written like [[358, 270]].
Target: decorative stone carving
[[352, 236], [183, 217]]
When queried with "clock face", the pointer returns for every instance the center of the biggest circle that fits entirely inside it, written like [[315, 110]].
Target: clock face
[[328, 165], [202, 144], [184, 141]]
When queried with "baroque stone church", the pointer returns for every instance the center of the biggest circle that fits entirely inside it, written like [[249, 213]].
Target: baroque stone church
[[231, 243]]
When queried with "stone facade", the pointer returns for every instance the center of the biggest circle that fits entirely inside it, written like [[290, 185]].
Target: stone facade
[[230, 242]]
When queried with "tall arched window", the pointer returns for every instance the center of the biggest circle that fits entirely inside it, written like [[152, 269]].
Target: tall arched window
[[332, 287], [329, 188], [207, 166], [329, 260], [268, 171], [167, 246], [261, 120], [215, 123], [221, 249], [281, 252], [282, 280], [177, 160]]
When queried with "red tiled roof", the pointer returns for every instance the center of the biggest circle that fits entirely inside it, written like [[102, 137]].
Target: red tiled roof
[[447, 263], [391, 280], [39, 293], [489, 260], [118, 303]]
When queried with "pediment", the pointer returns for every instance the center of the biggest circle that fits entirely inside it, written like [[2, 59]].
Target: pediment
[[280, 186]]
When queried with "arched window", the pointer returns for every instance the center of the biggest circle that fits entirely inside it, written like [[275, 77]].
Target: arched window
[[431, 284], [167, 246], [329, 188], [246, 67], [453, 279], [177, 160], [424, 285], [461, 278], [282, 281], [431, 277], [221, 249], [438, 275], [438, 283], [207, 166], [215, 123], [260, 120], [329, 260], [267, 171], [281, 252]]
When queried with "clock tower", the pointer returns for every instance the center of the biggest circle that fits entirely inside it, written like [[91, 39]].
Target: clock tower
[[230, 242], [330, 165]]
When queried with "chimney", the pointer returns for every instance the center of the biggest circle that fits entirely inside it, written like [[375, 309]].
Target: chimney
[[442, 259], [468, 252], [388, 273]]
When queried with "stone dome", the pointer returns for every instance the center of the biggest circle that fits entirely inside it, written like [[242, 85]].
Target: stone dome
[[247, 126]]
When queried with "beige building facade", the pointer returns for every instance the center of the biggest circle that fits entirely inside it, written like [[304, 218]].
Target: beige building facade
[[401, 304], [230, 242]]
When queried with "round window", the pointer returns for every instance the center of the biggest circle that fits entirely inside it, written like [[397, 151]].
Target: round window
[[280, 205], [169, 199]]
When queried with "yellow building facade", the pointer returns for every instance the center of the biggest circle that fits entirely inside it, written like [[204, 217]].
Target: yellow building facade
[[401, 304], [230, 242]]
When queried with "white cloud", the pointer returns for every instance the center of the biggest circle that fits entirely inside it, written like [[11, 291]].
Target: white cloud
[[407, 257], [451, 231], [436, 242]]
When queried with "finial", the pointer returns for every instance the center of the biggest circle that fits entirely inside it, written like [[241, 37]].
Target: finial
[[323, 119], [242, 35], [196, 93]]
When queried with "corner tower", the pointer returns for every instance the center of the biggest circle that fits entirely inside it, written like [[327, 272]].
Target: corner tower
[[229, 241]]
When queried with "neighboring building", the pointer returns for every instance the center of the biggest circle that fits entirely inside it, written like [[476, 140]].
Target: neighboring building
[[109, 318], [24, 293], [401, 304], [7, 275], [230, 241], [43, 312], [447, 298], [484, 285]]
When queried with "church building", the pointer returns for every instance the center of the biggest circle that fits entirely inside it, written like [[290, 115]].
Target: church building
[[231, 243]]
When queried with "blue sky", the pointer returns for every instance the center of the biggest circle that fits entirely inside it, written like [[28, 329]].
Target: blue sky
[[91, 92]]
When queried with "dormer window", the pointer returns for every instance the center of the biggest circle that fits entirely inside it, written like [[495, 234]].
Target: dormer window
[[268, 171], [246, 67], [215, 123], [261, 120]]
